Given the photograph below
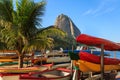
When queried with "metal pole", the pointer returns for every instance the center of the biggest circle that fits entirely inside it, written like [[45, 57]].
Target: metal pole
[[102, 61]]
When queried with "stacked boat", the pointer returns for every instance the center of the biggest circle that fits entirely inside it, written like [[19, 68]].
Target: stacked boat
[[88, 62], [92, 63]]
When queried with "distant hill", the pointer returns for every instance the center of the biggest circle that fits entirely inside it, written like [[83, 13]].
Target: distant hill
[[66, 24]]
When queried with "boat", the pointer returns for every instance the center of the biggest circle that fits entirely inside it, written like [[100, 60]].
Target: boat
[[22, 70], [89, 51], [8, 76], [86, 66], [95, 52], [75, 51], [96, 59], [95, 41], [8, 63], [39, 60], [8, 54], [15, 73], [55, 58], [54, 74], [104, 44], [8, 60]]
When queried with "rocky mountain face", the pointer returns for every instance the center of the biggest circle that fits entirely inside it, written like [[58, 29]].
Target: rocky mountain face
[[66, 24]]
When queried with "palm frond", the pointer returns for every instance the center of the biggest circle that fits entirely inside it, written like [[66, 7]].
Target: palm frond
[[29, 14], [6, 17], [51, 31], [9, 37], [5, 24], [39, 44], [6, 9]]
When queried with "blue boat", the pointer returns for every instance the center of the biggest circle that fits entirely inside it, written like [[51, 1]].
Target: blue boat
[[89, 51]]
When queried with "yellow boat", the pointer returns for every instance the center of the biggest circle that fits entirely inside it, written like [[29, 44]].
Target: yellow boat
[[85, 66], [8, 60], [22, 70]]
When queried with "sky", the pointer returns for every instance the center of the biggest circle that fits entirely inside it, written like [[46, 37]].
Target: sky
[[100, 18]]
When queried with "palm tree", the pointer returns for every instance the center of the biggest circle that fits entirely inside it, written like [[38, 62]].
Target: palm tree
[[18, 27]]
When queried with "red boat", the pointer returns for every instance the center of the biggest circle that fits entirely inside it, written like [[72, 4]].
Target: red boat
[[94, 41], [96, 59]]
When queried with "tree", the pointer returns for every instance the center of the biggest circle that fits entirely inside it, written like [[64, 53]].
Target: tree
[[18, 27], [68, 41]]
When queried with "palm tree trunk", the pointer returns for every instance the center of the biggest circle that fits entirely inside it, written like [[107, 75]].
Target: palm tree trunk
[[20, 61]]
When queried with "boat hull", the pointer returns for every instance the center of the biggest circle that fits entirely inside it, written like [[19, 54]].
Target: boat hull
[[55, 60], [85, 66], [89, 51], [9, 54], [56, 74], [22, 70], [94, 41], [58, 59], [9, 57], [96, 59]]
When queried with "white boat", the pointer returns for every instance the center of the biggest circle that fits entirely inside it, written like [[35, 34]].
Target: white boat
[[58, 59], [52, 58], [55, 74]]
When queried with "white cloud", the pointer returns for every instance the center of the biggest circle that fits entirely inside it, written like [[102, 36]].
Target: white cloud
[[104, 7], [87, 12], [108, 10]]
